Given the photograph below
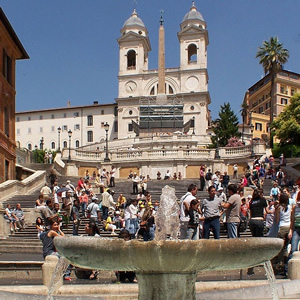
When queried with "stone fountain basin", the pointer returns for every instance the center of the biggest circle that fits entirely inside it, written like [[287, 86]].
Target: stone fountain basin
[[169, 256]]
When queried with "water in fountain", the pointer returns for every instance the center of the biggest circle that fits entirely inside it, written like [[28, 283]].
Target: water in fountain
[[60, 269], [167, 216], [271, 279]]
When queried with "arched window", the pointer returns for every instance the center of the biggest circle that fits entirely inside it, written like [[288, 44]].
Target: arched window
[[192, 53], [90, 136], [53, 145], [29, 147], [65, 144], [76, 143], [131, 59], [90, 120]]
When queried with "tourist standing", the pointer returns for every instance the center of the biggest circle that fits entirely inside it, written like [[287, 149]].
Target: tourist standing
[[211, 207], [112, 176], [235, 171], [202, 178], [233, 208], [184, 209], [75, 216], [107, 201], [225, 181], [193, 225]]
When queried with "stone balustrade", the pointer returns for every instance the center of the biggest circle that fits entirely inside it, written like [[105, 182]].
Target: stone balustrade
[[168, 153]]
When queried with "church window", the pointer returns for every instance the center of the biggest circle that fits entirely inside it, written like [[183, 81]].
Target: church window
[[192, 107], [130, 127], [130, 112], [152, 91], [140, 32], [131, 60], [76, 143], [65, 144], [116, 126], [171, 90], [29, 147], [192, 53], [53, 145]]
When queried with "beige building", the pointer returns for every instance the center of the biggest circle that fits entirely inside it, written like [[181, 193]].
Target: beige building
[[259, 101]]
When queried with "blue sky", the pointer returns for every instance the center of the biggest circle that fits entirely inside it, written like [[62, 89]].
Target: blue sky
[[73, 46]]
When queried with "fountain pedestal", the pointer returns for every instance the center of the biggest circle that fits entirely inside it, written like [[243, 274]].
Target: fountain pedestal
[[166, 286]]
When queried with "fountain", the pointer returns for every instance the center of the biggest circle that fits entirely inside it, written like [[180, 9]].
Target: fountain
[[167, 269]]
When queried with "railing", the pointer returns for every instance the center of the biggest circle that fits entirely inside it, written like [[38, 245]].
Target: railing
[[156, 154]]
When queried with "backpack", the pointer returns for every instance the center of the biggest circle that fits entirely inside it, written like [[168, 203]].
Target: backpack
[[208, 176]]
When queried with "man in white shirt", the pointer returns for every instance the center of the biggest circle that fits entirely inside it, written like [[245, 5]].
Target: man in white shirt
[[107, 201], [184, 208]]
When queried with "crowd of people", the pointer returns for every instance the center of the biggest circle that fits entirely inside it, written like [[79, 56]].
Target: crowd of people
[[276, 214]]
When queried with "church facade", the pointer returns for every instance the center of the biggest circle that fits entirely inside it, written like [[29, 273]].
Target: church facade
[[186, 97]]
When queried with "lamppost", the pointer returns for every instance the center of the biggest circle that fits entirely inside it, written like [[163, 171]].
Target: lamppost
[[70, 135], [252, 129], [59, 131], [193, 125], [42, 143], [106, 128], [36, 153], [217, 124]]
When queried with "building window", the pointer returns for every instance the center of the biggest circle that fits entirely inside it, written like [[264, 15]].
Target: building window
[[130, 128], [6, 171], [260, 109], [116, 126], [283, 90], [90, 120], [65, 115], [258, 126], [130, 112], [76, 114], [6, 121], [41, 117], [29, 130], [18, 131], [76, 143], [131, 60], [102, 124], [192, 54], [41, 129], [90, 136], [77, 127], [29, 147], [284, 101], [116, 111], [52, 116], [18, 119], [53, 145], [29, 118], [102, 111], [7, 67], [268, 105], [65, 144], [292, 92], [65, 128]]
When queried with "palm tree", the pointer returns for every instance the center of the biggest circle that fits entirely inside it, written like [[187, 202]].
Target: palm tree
[[272, 56]]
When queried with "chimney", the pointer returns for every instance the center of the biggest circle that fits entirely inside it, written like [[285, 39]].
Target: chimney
[[69, 104], [95, 102]]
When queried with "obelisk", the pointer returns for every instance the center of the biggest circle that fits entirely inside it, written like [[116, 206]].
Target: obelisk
[[161, 90]]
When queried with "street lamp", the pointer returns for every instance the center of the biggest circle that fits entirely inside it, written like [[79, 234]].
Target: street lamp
[[70, 135], [42, 143], [252, 129], [217, 125], [59, 131], [193, 125], [36, 153], [106, 128]]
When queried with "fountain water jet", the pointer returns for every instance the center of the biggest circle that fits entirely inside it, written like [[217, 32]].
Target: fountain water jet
[[167, 269]]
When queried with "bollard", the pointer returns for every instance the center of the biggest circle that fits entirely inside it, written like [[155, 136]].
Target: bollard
[[294, 266], [48, 269]]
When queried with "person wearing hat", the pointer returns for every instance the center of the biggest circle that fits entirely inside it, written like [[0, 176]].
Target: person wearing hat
[[118, 220], [94, 210], [110, 223]]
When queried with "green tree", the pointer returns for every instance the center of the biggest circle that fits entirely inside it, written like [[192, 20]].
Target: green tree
[[272, 56], [225, 127], [287, 125]]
